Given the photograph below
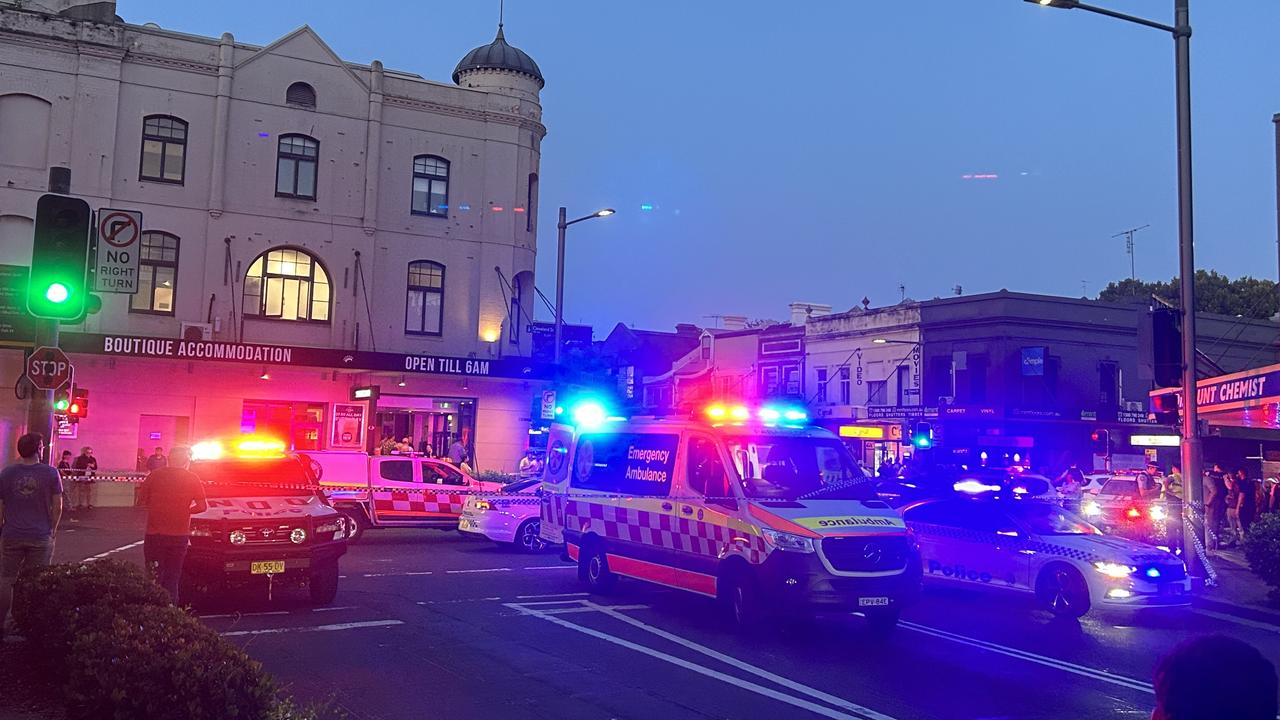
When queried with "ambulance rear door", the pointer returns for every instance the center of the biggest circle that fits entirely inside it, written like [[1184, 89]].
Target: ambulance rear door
[[555, 482]]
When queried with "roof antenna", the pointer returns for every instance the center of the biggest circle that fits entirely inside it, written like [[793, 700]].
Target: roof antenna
[[502, 10]]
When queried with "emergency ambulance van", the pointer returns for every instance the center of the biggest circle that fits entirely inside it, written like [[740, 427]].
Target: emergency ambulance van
[[752, 506]]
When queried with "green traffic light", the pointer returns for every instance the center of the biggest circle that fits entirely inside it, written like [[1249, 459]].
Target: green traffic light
[[57, 293], [61, 404]]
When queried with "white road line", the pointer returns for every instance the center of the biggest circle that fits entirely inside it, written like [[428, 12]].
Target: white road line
[[331, 609], [574, 610], [478, 570], [315, 628], [694, 667], [735, 662], [392, 574], [240, 615], [551, 567], [454, 602], [122, 548], [1238, 620], [551, 595], [1063, 665]]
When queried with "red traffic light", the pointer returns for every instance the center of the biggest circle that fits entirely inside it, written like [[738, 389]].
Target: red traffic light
[[79, 406]]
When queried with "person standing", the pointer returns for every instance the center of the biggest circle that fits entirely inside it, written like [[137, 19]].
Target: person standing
[[171, 494], [86, 466], [30, 510], [1215, 506], [1215, 677], [1246, 504], [64, 465], [1173, 483], [457, 452], [157, 460]]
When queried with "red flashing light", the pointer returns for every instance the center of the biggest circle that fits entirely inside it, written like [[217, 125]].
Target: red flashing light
[[497, 208], [1133, 513]]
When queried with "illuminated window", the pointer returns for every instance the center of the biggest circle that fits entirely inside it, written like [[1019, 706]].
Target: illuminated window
[[296, 163], [287, 284], [430, 186], [157, 274], [301, 94], [164, 149], [424, 303]]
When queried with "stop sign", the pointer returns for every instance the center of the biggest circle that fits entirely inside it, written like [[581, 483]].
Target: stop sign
[[49, 368]]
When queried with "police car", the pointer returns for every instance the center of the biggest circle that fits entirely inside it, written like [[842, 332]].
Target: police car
[[509, 516], [752, 506], [1039, 548]]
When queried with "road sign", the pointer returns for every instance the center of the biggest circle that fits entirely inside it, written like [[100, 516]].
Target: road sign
[[48, 368], [548, 409], [17, 327], [119, 245]]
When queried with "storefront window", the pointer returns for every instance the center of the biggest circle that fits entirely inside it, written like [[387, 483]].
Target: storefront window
[[298, 424], [431, 424]]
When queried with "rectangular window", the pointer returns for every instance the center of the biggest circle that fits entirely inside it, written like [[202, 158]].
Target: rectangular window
[[164, 149], [791, 380], [706, 472], [296, 162], [625, 463], [845, 394], [877, 392], [396, 470], [769, 381], [299, 424], [157, 274], [821, 391], [439, 473], [904, 385], [1109, 390]]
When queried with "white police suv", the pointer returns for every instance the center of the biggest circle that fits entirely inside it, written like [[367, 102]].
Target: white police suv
[[1038, 547]]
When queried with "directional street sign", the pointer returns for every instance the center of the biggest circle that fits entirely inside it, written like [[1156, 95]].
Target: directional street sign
[[119, 245], [48, 368]]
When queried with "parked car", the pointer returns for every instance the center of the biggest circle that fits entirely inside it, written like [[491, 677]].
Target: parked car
[[508, 517], [1118, 508]]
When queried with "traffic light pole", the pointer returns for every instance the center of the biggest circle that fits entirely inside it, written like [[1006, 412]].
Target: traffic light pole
[[40, 406]]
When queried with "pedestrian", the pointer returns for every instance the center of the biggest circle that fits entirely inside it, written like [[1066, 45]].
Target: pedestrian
[[1246, 504], [1149, 482], [86, 467], [388, 445], [171, 494], [1215, 506], [30, 510], [424, 448], [1273, 495], [457, 452], [1173, 483], [1215, 677], [1233, 509], [141, 464], [405, 446], [528, 463], [1071, 488], [64, 465], [157, 460]]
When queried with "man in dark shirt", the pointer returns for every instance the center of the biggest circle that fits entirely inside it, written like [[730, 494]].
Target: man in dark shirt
[[86, 466], [30, 509], [157, 460], [171, 495]]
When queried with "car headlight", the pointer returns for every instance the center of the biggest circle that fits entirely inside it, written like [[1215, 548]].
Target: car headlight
[[237, 537], [1091, 509], [298, 536], [483, 505], [1155, 512], [787, 541], [1114, 570], [335, 526]]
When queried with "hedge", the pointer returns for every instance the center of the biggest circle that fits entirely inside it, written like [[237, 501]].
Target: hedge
[[1262, 550]]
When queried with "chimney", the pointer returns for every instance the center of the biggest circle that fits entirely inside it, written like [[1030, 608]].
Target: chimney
[[101, 11], [734, 322], [802, 311], [688, 329]]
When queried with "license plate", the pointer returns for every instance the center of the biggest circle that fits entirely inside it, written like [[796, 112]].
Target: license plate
[[267, 567], [465, 524], [1171, 589], [872, 601]]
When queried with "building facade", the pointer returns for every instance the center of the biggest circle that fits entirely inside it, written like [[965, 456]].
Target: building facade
[[310, 225]]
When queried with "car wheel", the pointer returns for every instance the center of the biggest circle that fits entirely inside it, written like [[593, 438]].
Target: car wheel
[[593, 567], [529, 536], [743, 602], [324, 583], [882, 620], [357, 523], [1062, 590]]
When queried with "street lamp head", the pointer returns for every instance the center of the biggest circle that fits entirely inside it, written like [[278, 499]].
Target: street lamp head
[[605, 212], [1063, 4], [879, 341]]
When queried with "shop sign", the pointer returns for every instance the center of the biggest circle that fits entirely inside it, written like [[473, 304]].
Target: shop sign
[[968, 411], [863, 432], [1237, 391], [347, 423], [1155, 440], [1033, 361], [285, 355], [891, 412], [1133, 417], [66, 429]]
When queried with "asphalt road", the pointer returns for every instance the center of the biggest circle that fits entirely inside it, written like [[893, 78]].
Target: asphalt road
[[429, 624]]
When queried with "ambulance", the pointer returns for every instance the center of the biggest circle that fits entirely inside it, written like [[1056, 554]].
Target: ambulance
[[752, 506]]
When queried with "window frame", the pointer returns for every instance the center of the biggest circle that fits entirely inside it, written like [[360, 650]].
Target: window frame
[[164, 143], [297, 158], [311, 295], [431, 211], [309, 87], [144, 264], [410, 288], [821, 379]]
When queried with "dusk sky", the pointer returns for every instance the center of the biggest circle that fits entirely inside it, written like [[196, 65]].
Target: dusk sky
[[817, 151]]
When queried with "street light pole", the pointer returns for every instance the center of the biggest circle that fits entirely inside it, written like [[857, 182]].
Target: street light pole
[[561, 227]]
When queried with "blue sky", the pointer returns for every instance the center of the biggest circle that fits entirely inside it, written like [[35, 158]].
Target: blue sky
[[816, 150]]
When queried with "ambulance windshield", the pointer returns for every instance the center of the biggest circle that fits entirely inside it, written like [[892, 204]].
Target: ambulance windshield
[[795, 468]]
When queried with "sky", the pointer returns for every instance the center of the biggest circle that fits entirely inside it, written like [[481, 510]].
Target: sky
[[761, 153]]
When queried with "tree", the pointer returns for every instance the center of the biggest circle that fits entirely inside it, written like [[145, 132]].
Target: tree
[[1215, 293]]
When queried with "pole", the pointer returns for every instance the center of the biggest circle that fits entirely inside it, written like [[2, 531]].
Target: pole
[[40, 407], [561, 225], [1275, 120], [1193, 485]]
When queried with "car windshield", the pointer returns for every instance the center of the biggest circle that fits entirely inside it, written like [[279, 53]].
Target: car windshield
[[522, 486], [1041, 518], [796, 467], [274, 477]]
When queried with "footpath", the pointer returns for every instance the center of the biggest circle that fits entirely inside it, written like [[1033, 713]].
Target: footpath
[[1238, 592]]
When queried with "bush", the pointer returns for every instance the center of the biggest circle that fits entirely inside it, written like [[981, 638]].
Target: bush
[[1262, 550], [163, 664], [59, 602], [493, 476]]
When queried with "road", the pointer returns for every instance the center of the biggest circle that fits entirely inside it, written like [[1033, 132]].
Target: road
[[434, 624]]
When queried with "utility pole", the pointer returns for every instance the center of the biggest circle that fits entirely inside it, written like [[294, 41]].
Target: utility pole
[[1275, 120], [1128, 246]]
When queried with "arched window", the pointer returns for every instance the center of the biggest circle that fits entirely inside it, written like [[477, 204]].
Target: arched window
[[296, 163], [300, 94], [430, 186], [164, 149], [287, 284], [157, 274], [424, 302], [29, 118], [531, 206]]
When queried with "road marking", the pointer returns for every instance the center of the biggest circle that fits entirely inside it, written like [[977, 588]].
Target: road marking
[[582, 609], [240, 615], [454, 602], [612, 611], [122, 548], [478, 570], [551, 567], [331, 609], [1070, 667], [699, 669], [1239, 620], [551, 595], [316, 628], [403, 574]]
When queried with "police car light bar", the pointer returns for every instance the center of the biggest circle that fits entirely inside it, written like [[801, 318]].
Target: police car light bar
[[768, 414]]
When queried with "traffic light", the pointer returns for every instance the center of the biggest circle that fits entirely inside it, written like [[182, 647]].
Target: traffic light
[[1101, 442], [61, 401], [79, 406], [1164, 408], [58, 285], [922, 436]]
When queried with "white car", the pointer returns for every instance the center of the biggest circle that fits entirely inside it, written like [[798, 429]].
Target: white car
[[510, 515], [1039, 548]]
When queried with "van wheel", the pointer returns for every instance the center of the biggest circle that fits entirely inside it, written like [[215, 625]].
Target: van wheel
[[593, 567], [529, 536], [1063, 591], [743, 601], [324, 583], [357, 523], [882, 620]]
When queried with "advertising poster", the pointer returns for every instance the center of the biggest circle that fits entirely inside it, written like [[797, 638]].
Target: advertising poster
[[347, 427]]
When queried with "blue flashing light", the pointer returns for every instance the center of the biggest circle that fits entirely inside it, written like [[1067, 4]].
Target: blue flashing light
[[464, 207], [922, 442], [589, 414], [1153, 572], [646, 207], [559, 409], [795, 415], [770, 415]]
